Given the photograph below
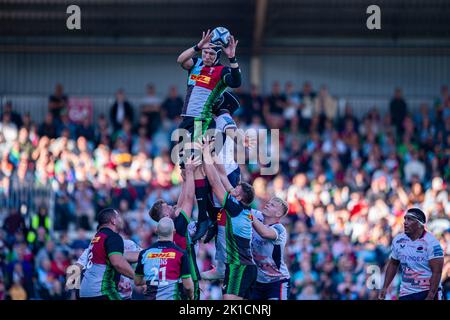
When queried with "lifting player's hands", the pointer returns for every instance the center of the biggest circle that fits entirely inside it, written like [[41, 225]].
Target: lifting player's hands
[[205, 43], [230, 51], [193, 162], [207, 146]]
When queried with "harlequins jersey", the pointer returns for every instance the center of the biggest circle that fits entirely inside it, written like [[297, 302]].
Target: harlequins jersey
[[204, 87], [182, 239], [100, 278], [162, 266], [237, 220], [125, 287]]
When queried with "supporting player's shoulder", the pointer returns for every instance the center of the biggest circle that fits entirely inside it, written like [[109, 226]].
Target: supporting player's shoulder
[[431, 240], [429, 237]]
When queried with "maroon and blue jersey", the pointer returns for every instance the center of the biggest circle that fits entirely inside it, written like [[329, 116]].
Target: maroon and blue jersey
[[162, 266], [100, 278], [183, 240], [204, 86]]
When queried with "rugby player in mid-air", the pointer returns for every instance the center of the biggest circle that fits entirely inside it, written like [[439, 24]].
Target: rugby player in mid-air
[[268, 244], [181, 216], [105, 260], [207, 80], [421, 259], [161, 266], [240, 269], [229, 172]]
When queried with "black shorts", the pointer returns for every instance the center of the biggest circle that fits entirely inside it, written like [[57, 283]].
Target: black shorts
[[239, 279], [278, 290], [188, 123]]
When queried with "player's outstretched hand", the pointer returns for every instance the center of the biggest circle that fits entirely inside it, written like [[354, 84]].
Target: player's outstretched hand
[[208, 146], [193, 162], [230, 51], [206, 40]]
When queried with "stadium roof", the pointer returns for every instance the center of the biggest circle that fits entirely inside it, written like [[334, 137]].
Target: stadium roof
[[258, 24]]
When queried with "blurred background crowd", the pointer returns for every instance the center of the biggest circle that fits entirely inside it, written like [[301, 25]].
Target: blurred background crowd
[[347, 181]]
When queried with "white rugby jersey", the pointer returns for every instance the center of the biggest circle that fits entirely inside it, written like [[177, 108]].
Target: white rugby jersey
[[269, 254], [414, 257], [226, 154]]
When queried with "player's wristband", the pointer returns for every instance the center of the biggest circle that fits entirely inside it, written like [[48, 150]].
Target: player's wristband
[[233, 60], [196, 48]]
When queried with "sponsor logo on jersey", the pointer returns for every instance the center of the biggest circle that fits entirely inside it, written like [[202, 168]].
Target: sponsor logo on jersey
[[162, 255], [437, 251], [412, 258], [95, 240], [420, 249], [200, 78]]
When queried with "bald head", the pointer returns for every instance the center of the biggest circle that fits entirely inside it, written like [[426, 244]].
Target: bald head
[[165, 229]]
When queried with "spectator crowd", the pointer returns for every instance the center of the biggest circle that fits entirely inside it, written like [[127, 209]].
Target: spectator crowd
[[347, 180]]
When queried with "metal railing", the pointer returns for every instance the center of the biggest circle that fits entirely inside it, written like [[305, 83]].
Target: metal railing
[[26, 197]]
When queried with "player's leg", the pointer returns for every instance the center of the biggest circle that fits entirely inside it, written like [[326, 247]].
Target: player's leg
[[202, 187]]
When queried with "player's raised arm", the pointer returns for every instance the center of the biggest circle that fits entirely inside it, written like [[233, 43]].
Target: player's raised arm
[[185, 58], [232, 79], [186, 200], [222, 174], [211, 172], [264, 231]]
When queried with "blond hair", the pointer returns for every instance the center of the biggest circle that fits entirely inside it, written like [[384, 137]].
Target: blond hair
[[283, 204]]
